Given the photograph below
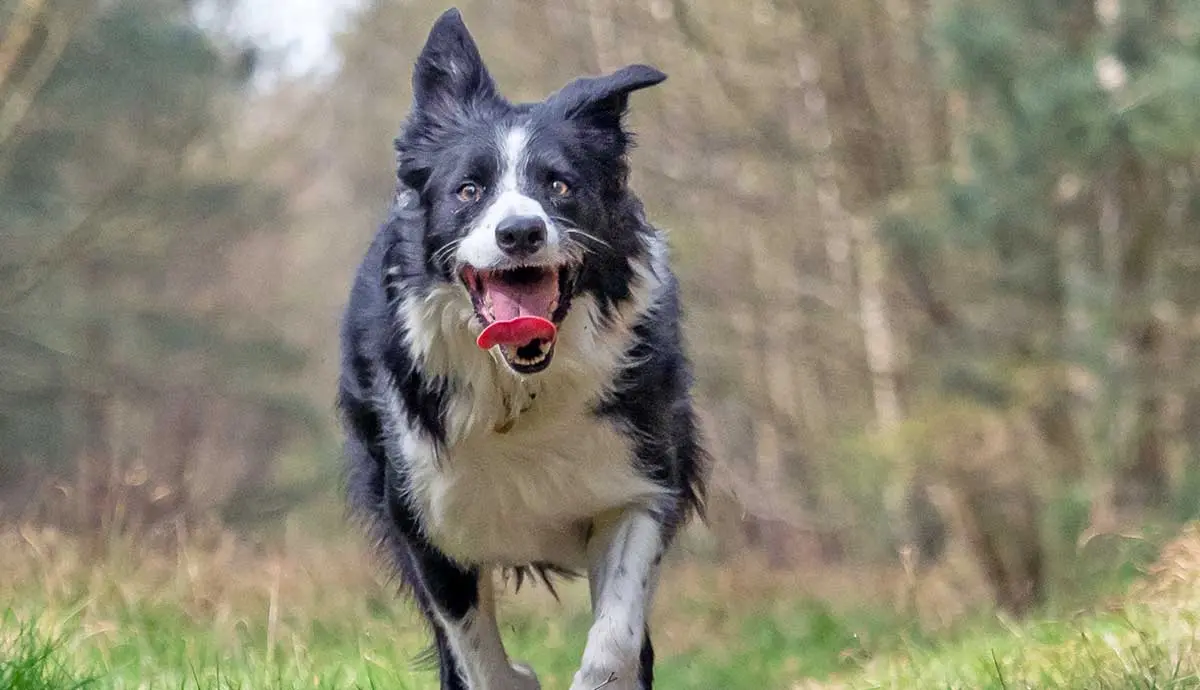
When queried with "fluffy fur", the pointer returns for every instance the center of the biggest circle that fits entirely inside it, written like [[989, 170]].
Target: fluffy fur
[[577, 455]]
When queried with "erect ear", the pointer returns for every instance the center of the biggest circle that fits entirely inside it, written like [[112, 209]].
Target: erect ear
[[449, 72], [603, 100]]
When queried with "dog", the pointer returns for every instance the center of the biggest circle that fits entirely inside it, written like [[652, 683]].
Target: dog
[[514, 387]]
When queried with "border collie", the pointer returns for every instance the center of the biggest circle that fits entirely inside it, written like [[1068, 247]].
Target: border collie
[[513, 386]]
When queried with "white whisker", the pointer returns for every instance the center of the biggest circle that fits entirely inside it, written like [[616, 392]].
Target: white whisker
[[445, 252], [581, 233], [572, 229]]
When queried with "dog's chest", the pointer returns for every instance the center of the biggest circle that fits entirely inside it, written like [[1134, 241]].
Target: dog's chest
[[528, 493]]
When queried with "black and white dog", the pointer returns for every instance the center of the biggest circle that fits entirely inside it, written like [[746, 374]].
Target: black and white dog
[[570, 447]]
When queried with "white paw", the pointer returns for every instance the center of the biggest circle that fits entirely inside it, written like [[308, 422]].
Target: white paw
[[611, 668], [594, 679], [522, 678], [613, 652]]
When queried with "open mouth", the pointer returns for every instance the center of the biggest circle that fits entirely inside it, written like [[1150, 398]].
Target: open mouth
[[520, 309]]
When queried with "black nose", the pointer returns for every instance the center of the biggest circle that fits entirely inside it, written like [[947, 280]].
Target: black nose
[[521, 236]]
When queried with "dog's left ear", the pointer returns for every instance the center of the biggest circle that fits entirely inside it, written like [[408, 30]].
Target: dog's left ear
[[603, 100]]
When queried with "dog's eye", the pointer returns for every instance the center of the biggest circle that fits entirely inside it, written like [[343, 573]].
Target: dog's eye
[[469, 192], [560, 188]]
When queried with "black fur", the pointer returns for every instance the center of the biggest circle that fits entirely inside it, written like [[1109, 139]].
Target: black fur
[[577, 135]]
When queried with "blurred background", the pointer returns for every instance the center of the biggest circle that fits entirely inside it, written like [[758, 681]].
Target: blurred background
[[940, 259]]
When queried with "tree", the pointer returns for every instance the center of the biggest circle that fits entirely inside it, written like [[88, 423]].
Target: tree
[[117, 201]]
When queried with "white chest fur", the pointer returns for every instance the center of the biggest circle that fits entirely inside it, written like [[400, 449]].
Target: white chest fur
[[526, 463], [528, 494]]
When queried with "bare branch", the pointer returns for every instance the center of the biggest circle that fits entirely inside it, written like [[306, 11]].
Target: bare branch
[[59, 28], [18, 34]]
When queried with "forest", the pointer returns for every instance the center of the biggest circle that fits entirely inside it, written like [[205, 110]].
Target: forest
[[940, 261]]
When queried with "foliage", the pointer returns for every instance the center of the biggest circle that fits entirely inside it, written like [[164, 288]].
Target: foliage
[[218, 617], [119, 208], [939, 262]]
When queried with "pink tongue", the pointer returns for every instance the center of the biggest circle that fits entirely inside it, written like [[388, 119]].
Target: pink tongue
[[521, 311], [518, 331]]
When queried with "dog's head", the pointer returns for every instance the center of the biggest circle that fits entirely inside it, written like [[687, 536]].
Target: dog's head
[[525, 205]]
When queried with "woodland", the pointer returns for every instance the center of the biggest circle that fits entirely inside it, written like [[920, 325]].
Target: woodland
[[940, 261]]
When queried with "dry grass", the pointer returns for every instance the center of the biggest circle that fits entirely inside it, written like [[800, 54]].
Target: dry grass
[[311, 612], [1148, 639], [221, 612]]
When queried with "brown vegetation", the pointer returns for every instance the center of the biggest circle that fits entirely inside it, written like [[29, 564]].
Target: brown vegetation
[[933, 296]]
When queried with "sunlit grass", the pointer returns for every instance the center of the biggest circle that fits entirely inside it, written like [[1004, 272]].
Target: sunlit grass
[[219, 616], [1145, 639], [1127, 649], [30, 662]]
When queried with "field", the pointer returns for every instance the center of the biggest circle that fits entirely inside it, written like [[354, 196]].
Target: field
[[220, 614]]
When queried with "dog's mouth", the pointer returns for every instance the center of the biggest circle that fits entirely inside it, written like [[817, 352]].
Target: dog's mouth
[[520, 309]]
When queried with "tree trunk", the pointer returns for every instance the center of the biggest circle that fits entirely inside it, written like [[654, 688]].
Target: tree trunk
[[1143, 480], [95, 460]]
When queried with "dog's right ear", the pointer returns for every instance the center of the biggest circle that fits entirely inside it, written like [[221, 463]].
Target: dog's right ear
[[450, 74]]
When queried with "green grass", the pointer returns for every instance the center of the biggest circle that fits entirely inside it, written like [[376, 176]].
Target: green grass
[[148, 645], [29, 662], [215, 619], [220, 616], [158, 649], [1133, 648]]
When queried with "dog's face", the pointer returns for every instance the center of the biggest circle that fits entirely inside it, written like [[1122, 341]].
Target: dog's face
[[522, 202]]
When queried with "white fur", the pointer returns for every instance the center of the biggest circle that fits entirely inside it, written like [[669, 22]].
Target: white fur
[[479, 248], [514, 144], [475, 642], [526, 464], [624, 570]]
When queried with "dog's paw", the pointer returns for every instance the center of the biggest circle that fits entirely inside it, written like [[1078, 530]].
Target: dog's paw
[[611, 673], [612, 655], [522, 678], [610, 680]]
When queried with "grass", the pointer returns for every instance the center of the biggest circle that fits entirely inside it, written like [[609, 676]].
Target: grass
[[1120, 650], [222, 615]]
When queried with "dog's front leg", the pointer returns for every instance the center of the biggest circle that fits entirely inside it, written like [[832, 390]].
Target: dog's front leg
[[460, 603], [624, 554], [470, 651]]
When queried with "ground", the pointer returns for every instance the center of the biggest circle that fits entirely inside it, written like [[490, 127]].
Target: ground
[[219, 615]]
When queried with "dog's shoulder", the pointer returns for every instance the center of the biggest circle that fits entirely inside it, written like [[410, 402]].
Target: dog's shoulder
[[378, 371]]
